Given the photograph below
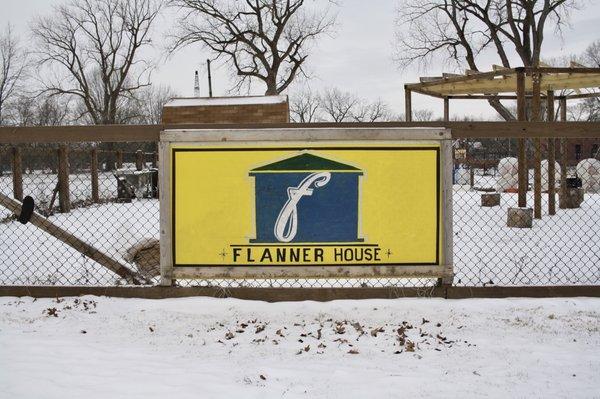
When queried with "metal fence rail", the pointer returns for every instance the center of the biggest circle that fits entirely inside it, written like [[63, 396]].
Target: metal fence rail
[[559, 249]]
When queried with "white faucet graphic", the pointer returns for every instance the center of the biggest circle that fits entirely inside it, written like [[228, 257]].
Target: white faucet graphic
[[286, 225]]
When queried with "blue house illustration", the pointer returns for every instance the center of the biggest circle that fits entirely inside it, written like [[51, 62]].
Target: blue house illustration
[[306, 199]]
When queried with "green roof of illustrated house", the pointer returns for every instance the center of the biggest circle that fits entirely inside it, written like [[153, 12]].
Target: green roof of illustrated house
[[306, 162]]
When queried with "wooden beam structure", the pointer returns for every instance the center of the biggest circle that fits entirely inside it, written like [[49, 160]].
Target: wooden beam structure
[[522, 159], [504, 80], [151, 133], [563, 155], [304, 293], [551, 156], [537, 148]]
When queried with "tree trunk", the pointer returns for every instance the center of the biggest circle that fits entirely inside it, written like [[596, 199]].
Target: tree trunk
[[501, 109]]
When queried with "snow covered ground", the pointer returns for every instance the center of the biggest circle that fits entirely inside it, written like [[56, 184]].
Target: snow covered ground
[[97, 347]]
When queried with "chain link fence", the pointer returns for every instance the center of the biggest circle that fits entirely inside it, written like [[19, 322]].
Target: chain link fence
[[110, 202]]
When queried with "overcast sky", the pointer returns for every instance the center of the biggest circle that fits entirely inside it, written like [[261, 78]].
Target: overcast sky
[[358, 58]]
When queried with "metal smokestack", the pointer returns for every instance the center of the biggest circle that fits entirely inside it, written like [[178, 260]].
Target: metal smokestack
[[196, 85]]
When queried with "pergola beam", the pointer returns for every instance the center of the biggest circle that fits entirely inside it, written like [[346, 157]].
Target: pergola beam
[[509, 84]]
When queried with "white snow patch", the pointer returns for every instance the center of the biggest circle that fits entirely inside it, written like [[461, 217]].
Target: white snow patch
[[208, 101], [98, 347]]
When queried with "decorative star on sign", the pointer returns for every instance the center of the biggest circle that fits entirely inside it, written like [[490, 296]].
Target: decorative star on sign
[[388, 253], [223, 254]]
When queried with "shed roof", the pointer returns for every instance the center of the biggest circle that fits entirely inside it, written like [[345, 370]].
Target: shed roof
[[220, 101], [306, 162]]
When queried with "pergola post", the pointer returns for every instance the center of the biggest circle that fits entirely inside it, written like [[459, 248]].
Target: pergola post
[[407, 104], [537, 151], [521, 116], [446, 109], [563, 155], [551, 156]]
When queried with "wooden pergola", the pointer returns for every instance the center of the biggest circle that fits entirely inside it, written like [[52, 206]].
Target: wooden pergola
[[526, 85]]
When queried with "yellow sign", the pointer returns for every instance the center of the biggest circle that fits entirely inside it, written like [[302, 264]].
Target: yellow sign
[[287, 204]]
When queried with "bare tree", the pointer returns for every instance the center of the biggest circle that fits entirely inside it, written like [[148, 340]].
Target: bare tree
[[423, 115], [92, 47], [268, 40], [149, 103], [13, 62], [337, 105], [305, 106], [461, 30], [371, 112], [590, 107], [41, 110]]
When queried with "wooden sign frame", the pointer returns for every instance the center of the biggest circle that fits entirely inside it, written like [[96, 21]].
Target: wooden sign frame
[[170, 138]]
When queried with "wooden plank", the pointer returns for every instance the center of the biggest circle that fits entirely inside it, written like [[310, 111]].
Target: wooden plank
[[306, 134], [291, 272], [537, 149], [79, 134], [447, 213], [508, 84], [551, 157], [94, 175], [122, 133], [69, 239], [303, 294], [423, 79], [446, 109], [446, 75], [119, 159], [17, 173], [521, 116], [524, 291], [513, 129], [64, 197], [164, 194], [563, 154]]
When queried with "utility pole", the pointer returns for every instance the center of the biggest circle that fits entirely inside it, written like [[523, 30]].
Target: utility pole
[[209, 79]]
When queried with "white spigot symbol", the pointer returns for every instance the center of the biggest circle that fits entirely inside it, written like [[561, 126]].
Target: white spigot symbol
[[286, 225]]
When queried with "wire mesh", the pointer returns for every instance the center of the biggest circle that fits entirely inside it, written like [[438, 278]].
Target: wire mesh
[[111, 223], [120, 217]]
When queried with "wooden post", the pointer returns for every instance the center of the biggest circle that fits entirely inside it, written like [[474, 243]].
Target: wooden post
[[449, 168], [551, 156], [521, 116], [407, 105], [471, 176], [119, 156], [537, 153], [139, 160], [17, 173], [64, 200], [166, 254], [446, 109], [94, 172], [155, 159], [563, 154]]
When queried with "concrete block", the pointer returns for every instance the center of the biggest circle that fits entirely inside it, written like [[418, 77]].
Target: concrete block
[[520, 218]]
